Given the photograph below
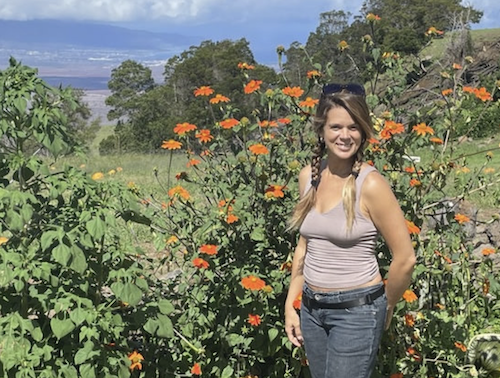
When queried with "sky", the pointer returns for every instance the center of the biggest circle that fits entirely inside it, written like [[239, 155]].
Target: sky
[[265, 23]]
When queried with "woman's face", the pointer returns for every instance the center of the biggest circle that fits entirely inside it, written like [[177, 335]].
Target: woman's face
[[343, 137]]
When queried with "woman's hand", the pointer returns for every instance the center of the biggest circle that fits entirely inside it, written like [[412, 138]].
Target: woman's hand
[[292, 328]]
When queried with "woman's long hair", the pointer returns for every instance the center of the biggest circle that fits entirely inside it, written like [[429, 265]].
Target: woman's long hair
[[358, 109]]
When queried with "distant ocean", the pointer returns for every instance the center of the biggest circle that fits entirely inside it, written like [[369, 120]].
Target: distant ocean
[[86, 83]]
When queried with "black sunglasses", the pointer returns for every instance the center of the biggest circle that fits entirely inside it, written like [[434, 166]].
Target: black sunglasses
[[355, 89]]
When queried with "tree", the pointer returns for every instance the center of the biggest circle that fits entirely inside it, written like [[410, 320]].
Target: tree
[[128, 82]]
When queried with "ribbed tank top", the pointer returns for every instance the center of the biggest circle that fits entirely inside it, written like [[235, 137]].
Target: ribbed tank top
[[336, 258]]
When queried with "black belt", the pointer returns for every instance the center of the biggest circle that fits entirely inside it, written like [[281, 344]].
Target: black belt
[[367, 299]]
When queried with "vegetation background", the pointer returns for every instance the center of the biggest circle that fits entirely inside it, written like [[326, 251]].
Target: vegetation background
[[166, 253]]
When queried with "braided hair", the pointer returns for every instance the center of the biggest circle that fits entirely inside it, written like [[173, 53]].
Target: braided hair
[[356, 106]]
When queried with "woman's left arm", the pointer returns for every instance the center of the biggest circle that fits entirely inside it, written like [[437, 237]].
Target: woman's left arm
[[385, 213]]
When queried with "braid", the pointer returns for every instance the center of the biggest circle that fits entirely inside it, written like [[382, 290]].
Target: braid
[[349, 191], [318, 152]]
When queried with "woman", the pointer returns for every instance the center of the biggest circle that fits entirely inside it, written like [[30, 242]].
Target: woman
[[345, 204]]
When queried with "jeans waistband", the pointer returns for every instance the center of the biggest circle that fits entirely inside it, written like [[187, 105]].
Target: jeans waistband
[[313, 301]]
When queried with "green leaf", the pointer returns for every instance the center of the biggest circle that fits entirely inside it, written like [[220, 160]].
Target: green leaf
[[87, 371], [258, 234], [96, 227], [131, 294], [78, 315], [78, 261], [47, 239], [227, 372], [61, 254], [151, 326], [166, 307], [165, 328], [61, 328], [273, 333]]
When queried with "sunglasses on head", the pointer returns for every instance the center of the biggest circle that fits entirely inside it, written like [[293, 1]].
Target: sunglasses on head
[[355, 89]]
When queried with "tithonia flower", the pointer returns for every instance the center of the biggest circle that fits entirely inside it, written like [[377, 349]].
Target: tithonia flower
[[172, 239], [245, 66], [254, 319], [196, 369], [219, 98], [460, 346], [412, 228], [252, 86], [483, 94], [391, 128], [293, 91], [171, 144], [204, 136], [447, 92], [309, 102], [97, 176], [313, 74], [456, 66], [258, 149], [208, 249], [487, 251], [193, 162], [274, 191], [200, 263], [409, 320], [229, 123], [422, 129], [343, 45], [267, 123], [372, 17], [284, 121], [203, 91], [135, 360], [179, 191], [252, 283], [297, 302], [436, 140], [409, 296], [183, 128], [461, 218], [231, 218]]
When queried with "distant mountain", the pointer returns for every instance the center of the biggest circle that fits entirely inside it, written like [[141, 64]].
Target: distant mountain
[[85, 35]]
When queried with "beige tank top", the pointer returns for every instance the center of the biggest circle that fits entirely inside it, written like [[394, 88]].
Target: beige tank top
[[335, 258]]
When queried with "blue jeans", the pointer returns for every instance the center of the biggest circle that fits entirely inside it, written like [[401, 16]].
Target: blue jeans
[[342, 343]]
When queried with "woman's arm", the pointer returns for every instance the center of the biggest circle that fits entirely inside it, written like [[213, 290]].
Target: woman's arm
[[385, 213], [292, 321]]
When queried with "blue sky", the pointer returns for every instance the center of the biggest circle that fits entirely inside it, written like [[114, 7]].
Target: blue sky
[[265, 23]]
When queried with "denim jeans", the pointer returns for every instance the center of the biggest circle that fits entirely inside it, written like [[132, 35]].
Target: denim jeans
[[342, 343]]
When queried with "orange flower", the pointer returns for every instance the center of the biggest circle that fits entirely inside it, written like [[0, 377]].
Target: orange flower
[[436, 140], [412, 228], [204, 136], [252, 283], [208, 249], [252, 86], [447, 92], [373, 141], [483, 94], [409, 296], [409, 320], [461, 218], [422, 129], [258, 149], [231, 218], [219, 98], [460, 346], [487, 251], [228, 123], [284, 121], [293, 91], [297, 302], [433, 31], [203, 91], [254, 320], [287, 265], [179, 191], [245, 66], [274, 191], [267, 123], [343, 45], [196, 369], [410, 169], [313, 74], [171, 144], [193, 162], [200, 263], [413, 352], [3, 240], [391, 128], [183, 128], [172, 239], [467, 89], [135, 360], [415, 183], [456, 66], [309, 102], [372, 17]]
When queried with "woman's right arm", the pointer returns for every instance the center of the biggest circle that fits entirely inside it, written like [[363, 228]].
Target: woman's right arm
[[292, 320]]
